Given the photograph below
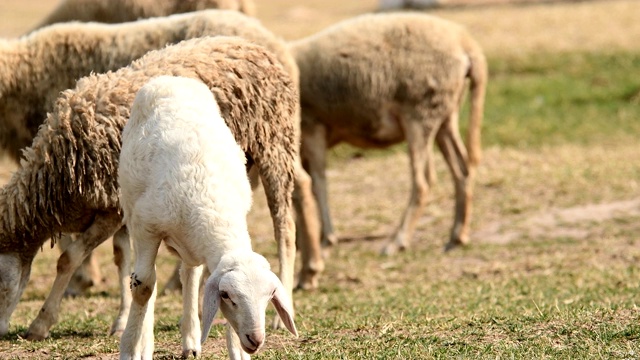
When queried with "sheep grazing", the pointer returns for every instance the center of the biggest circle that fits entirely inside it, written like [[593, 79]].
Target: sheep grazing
[[67, 179], [119, 11], [51, 59], [113, 11], [379, 79], [183, 180]]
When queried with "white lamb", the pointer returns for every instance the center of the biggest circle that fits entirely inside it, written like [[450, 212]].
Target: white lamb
[[183, 180]]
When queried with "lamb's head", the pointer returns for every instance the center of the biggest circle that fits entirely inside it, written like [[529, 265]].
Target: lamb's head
[[14, 275], [242, 286]]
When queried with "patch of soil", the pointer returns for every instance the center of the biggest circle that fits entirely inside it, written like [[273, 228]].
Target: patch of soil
[[574, 222]]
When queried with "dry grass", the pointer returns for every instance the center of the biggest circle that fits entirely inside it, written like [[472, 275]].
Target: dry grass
[[501, 29]]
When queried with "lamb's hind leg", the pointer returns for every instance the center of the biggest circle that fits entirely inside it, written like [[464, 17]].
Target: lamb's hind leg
[[455, 153], [103, 226], [122, 259], [420, 136]]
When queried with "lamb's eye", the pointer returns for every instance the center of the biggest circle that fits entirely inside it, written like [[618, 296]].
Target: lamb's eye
[[224, 295]]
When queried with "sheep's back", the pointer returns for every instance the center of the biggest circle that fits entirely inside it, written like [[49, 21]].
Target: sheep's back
[[74, 157], [355, 68], [179, 157]]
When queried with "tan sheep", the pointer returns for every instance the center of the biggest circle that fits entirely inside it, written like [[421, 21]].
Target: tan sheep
[[67, 179], [51, 59], [380, 79], [119, 11]]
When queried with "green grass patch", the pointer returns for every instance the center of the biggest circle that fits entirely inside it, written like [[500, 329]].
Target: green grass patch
[[550, 99], [545, 99]]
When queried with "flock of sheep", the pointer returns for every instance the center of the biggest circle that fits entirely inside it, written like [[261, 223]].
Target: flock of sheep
[[186, 109]]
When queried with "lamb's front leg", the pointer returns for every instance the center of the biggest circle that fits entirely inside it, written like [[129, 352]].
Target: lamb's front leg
[[103, 226], [233, 346], [137, 340], [190, 326]]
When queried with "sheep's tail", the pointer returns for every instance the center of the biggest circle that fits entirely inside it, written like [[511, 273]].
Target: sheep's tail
[[478, 75]]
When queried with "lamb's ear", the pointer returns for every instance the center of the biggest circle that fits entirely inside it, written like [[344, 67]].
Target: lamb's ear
[[210, 305], [282, 303]]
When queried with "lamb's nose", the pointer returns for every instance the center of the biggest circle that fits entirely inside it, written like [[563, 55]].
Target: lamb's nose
[[256, 339]]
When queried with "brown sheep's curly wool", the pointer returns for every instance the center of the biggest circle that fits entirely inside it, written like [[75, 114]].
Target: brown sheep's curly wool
[[67, 181], [50, 60]]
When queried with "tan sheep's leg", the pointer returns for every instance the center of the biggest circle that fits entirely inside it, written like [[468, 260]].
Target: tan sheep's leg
[[190, 324], [174, 284], [137, 340], [420, 137], [86, 276], [308, 228], [313, 152], [278, 191], [103, 226], [455, 154], [122, 259]]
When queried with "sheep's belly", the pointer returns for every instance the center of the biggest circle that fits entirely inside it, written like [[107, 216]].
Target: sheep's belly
[[188, 257], [373, 132]]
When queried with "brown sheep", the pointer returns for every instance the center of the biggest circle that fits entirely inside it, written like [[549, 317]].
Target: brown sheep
[[380, 79], [50, 60], [67, 178]]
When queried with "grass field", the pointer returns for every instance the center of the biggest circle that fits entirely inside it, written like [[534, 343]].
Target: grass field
[[551, 272]]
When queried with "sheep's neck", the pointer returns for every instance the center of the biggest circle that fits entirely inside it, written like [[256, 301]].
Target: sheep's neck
[[225, 243]]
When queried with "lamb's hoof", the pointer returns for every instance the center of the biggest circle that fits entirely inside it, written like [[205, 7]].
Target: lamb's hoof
[[190, 352]]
